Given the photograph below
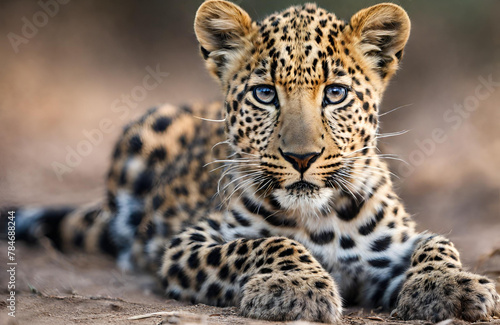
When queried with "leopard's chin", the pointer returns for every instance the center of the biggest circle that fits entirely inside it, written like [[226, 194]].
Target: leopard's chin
[[304, 198]]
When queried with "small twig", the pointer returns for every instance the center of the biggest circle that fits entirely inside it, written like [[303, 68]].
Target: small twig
[[161, 313], [103, 298], [85, 298]]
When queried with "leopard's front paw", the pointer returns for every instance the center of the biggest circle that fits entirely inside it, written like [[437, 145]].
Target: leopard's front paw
[[437, 293], [292, 296]]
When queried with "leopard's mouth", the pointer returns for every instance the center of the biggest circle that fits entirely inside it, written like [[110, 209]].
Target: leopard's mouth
[[302, 188]]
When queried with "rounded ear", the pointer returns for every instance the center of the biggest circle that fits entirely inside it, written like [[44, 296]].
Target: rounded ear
[[380, 32], [222, 29]]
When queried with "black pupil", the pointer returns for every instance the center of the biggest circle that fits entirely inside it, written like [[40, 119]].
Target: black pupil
[[335, 92], [265, 93]]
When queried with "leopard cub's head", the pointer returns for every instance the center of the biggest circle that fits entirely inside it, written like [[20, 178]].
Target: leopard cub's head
[[302, 91]]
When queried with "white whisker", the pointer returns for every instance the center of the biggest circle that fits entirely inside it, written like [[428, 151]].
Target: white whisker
[[209, 120], [230, 161], [355, 151], [395, 109], [391, 134], [219, 143]]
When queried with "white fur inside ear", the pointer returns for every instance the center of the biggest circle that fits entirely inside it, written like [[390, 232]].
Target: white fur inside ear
[[224, 32], [224, 24], [218, 22], [373, 39], [372, 44], [380, 34]]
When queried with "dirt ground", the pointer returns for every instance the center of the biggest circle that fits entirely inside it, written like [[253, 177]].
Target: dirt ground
[[57, 289]]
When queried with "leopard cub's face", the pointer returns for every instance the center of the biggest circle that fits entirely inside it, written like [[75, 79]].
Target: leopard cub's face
[[302, 90]]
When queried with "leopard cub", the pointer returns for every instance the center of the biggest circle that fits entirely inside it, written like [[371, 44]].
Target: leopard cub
[[283, 208]]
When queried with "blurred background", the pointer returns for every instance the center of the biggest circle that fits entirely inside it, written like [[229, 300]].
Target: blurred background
[[65, 68]]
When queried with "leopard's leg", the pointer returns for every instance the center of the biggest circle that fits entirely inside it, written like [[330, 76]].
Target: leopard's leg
[[437, 287], [273, 278]]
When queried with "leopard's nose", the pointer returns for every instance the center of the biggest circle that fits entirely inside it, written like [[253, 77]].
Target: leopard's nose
[[301, 162]]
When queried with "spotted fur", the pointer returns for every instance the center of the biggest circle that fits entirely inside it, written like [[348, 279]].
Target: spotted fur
[[276, 200]]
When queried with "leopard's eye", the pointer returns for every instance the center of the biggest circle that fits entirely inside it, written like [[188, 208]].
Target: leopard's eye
[[264, 94], [335, 94]]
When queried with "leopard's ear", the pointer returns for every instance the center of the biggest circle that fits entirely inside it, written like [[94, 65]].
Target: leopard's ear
[[223, 30], [380, 33]]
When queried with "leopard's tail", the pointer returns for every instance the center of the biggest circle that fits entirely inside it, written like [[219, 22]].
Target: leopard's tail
[[68, 228]]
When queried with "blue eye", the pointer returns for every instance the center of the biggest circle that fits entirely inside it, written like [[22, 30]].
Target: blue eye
[[335, 94], [264, 94]]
